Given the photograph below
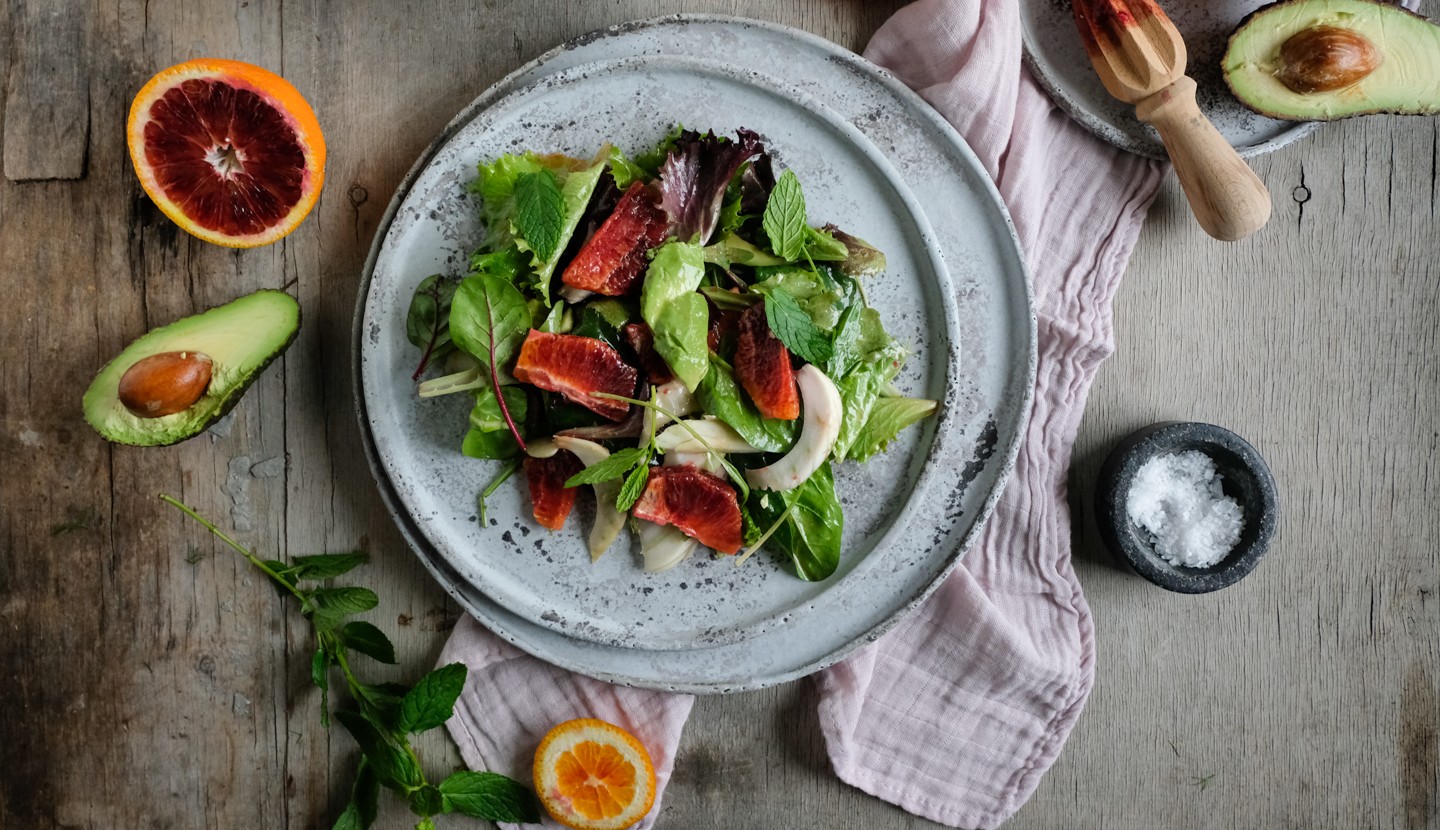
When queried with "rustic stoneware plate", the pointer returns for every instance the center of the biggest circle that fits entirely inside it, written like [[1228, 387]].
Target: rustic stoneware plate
[[1057, 58], [874, 159]]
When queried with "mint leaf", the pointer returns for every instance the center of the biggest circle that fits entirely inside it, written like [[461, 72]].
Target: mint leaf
[[792, 324], [784, 219], [610, 468], [489, 796], [341, 602], [539, 212], [393, 767], [326, 566], [364, 804], [632, 488], [427, 801], [320, 676], [432, 701], [368, 640]]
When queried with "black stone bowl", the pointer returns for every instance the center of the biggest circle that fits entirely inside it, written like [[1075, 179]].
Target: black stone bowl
[[1245, 478]]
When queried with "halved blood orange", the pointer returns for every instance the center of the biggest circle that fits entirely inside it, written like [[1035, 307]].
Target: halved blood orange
[[230, 151], [593, 775]]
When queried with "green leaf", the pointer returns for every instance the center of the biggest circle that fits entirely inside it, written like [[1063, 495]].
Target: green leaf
[[731, 249], [320, 676], [539, 212], [822, 247], [368, 640], [623, 170], [425, 824], [328, 565], [489, 436], [284, 578], [887, 418], [862, 259], [792, 324], [650, 160], [877, 362], [364, 805], [679, 317], [632, 488], [499, 479], [784, 219], [575, 191], [721, 396], [507, 263], [427, 801], [594, 323], [381, 702], [432, 701], [496, 188], [610, 468], [490, 796], [393, 766], [344, 601], [728, 300], [823, 302], [489, 320], [811, 532], [427, 323]]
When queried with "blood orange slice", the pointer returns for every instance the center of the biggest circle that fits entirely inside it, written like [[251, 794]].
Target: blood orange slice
[[762, 365], [575, 366], [611, 261], [230, 151], [549, 496], [593, 775], [700, 505]]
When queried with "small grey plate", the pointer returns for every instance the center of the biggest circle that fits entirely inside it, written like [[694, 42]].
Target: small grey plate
[[1057, 58], [874, 158]]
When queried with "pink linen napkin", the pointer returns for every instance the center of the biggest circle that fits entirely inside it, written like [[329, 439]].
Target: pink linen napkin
[[958, 711]]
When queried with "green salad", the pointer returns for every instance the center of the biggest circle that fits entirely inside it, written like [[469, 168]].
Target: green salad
[[669, 330]]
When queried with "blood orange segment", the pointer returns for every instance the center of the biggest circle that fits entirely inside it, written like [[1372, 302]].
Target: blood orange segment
[[700, 505], [611, 261], [230, 151], [575, 366], [762, 365], [551, 499], [593, 775]]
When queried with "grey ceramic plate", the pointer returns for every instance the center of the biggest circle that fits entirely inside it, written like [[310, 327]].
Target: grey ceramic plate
[[873, 158], [1055, 55]]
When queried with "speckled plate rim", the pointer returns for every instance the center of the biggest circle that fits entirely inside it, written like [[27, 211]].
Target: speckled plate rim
[[587, 657], [1081, 113]]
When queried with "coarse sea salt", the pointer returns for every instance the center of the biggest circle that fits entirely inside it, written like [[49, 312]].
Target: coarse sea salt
[[1177, 498]]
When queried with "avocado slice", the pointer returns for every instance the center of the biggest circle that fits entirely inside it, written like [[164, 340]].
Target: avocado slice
[[236, 341], [1319, 60]]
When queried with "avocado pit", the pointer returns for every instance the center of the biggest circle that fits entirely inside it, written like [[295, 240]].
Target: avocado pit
[[1326, 58], [166, 383]]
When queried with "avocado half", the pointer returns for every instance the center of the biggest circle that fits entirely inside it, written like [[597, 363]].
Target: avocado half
[[240, 337], [1404, 51]]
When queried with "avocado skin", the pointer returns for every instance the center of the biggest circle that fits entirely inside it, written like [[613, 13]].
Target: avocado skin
[[1257, 107], [142, 432]]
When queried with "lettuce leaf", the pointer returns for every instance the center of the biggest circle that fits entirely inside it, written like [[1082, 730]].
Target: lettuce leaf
[[679, 317], [559, 218], [887, 418], [694, 178]]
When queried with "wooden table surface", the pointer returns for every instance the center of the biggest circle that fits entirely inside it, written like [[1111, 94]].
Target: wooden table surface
[[148, 679]]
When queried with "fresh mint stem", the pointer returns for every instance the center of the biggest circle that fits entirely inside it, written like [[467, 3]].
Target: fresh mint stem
[[730, 469], [222, 536]]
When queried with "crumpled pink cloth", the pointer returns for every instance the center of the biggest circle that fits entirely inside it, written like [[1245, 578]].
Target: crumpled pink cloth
[[957, 712]]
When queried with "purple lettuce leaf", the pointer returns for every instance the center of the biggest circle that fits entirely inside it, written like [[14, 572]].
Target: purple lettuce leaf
[[694, 177]]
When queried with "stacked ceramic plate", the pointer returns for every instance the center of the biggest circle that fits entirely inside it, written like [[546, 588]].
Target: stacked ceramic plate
[[875, 160]]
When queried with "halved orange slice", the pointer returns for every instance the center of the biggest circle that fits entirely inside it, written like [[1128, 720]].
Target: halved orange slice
[[230, 151], [593, 775]]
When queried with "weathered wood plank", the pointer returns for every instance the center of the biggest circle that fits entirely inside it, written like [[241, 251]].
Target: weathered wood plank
[[47, 119], [145, 690]]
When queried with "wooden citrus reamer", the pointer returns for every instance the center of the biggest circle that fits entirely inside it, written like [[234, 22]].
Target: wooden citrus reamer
[[1140, 57]]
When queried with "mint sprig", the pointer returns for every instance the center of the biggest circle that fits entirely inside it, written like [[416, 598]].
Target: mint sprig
[[793, 325], [387, 714], [784, 218], [540, 212]]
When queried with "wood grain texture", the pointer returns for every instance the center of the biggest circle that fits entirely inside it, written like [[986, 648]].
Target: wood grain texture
[[149, 680], [47, 122]]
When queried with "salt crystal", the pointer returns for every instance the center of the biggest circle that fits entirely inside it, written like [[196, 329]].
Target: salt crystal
[[1178, 499]]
